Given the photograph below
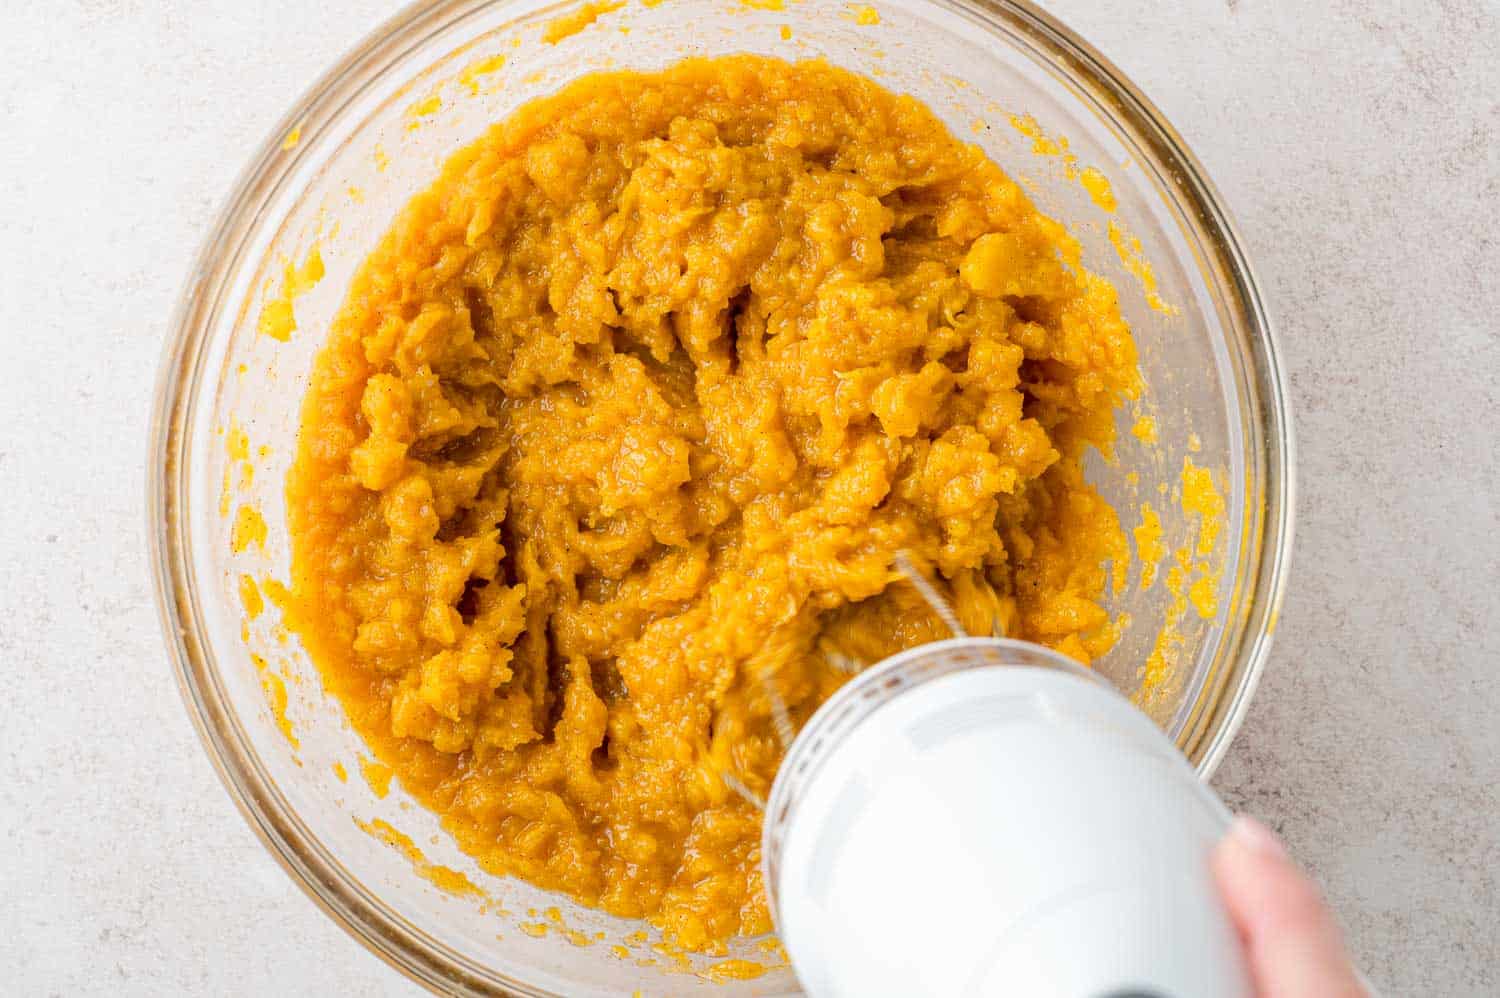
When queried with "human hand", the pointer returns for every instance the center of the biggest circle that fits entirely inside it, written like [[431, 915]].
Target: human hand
[[1292, 943]]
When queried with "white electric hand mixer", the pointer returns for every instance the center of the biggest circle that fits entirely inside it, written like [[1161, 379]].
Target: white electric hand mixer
[[984, 816]]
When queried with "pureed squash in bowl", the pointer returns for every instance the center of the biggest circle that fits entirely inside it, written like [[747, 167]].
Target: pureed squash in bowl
[[622, 426]]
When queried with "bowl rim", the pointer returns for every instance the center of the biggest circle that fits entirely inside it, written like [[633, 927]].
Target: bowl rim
[[1271, 446]]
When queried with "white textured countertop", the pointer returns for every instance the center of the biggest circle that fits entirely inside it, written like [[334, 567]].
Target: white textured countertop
[[1358, 143]]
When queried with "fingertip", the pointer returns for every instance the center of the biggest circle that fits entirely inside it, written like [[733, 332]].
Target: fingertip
[[1250, 834], [1292, 940], [1260, 879]]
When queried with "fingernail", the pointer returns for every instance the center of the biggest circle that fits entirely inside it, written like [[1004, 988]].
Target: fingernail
[[1257, 837]]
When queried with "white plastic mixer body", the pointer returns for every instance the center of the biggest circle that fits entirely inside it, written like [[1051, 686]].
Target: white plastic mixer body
[[982, 816]]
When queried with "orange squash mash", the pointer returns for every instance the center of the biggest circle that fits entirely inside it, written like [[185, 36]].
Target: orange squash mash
[[622, 426]]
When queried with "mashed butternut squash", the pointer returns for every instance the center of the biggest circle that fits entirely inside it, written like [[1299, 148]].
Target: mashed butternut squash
[[622, 426]]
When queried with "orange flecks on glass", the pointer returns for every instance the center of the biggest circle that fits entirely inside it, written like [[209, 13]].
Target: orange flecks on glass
[[445, 878], [378, 775], [250, 597], [1149, 548], [249, 528], [1097, 184], [1128, 248], [570, 24], [733, 970], [275, 690], [277, 319], [472, 73]]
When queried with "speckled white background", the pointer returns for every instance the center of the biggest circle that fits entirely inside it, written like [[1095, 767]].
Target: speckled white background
[[1358, 143]]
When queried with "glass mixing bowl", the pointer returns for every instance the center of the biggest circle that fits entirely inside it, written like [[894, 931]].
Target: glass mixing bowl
[[1042, 103]]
